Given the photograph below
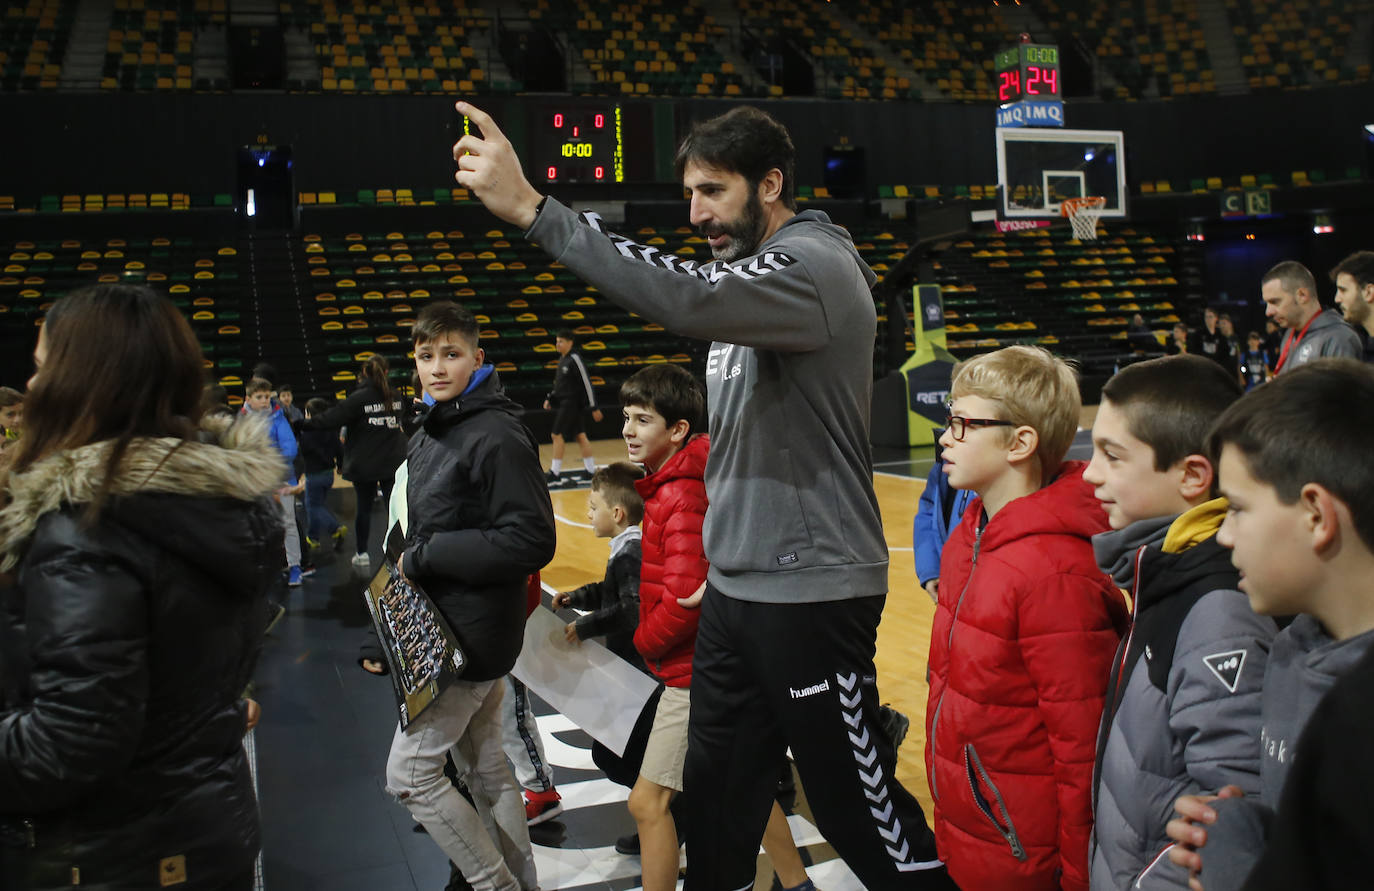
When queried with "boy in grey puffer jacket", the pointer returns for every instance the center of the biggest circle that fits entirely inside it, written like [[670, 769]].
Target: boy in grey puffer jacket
[[1183, 700]]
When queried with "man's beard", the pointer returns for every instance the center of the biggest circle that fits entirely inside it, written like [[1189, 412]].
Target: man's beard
[[1356, 311], [745, 233]]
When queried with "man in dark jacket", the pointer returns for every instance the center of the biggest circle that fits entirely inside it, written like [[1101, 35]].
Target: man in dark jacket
[[480, 522], [571, 394], [1354, 278]]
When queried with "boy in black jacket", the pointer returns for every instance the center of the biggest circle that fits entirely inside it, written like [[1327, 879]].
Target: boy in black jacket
[[321, 452], [480, 522], [614, 509]]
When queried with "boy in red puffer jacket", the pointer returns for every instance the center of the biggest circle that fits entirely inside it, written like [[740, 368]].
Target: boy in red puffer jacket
[[1024, 634], [662, 405]]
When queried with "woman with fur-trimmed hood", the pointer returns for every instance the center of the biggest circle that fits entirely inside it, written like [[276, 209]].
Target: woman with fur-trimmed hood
[[137, 548]]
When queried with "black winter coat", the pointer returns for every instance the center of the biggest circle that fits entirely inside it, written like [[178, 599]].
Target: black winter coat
[[613, 604], [480, 522], [126, 644], [374, 445]]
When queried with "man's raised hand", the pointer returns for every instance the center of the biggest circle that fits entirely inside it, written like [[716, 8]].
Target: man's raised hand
[[489, 167]]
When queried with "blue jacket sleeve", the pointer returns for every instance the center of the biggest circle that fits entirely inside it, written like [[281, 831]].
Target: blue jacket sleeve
[[283, 438], [926, 540]]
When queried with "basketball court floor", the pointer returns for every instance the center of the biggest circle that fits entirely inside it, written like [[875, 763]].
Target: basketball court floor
[[321, 748]]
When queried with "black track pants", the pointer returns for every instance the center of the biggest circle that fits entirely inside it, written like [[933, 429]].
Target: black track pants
[[768, 676]]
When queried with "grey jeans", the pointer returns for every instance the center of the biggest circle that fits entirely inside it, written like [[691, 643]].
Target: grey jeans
[[490, 843]]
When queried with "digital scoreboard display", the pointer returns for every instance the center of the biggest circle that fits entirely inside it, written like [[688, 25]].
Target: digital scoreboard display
[[577, 145], [1028, 71], [582, 143]]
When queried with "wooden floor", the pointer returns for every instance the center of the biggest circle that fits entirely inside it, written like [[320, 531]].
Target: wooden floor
[[903, 637]]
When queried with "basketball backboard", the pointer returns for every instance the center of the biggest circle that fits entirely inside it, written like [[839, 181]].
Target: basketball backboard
[[1037, 168]]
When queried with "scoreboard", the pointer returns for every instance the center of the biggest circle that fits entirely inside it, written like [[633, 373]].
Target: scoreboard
[[572, 144], [1028, 71], [582, 143]]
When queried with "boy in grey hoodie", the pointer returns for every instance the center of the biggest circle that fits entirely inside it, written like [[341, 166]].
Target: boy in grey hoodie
[[1183, 699], [1295, 467], [798, 574]]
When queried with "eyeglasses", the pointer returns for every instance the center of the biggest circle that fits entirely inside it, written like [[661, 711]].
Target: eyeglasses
[[958, 427]]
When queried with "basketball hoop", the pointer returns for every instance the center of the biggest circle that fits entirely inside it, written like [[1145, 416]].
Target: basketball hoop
[[1083, 214]]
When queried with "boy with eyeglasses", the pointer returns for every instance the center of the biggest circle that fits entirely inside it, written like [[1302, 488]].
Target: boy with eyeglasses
[[1025, 629]]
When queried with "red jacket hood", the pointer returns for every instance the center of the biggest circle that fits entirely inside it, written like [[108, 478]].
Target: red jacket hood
[[1020, 649], [688, 463], [1065, 507]]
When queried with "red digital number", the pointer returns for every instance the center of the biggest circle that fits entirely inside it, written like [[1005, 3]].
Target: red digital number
[[599, 172], [599, 121], [558, 121], [552, 173], [1047, 78], [575, 134], [1010, 85]]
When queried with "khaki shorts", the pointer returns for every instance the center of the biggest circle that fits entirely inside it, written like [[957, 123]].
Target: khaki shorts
[[666, 750]]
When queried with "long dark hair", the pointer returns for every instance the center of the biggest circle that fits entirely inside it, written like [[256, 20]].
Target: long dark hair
[[377, 372], [121, 363]]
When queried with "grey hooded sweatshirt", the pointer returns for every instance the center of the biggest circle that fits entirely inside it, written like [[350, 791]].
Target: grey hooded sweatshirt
[[1304, 663], [1327, 336], [793, 514]]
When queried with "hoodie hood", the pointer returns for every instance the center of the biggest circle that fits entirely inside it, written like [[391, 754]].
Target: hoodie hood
[[195, 499], [816, 223], [688, 463], [1323, 657], [483, 393], [1066, 506]]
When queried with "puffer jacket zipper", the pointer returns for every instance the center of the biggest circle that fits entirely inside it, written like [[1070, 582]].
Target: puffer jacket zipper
[[973, 763], [949, 645]]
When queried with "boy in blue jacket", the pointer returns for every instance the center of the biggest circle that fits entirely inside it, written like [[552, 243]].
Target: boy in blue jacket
[[938, 511], [258, 399]]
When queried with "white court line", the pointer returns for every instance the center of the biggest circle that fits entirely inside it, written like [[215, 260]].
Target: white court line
[[563, 519]]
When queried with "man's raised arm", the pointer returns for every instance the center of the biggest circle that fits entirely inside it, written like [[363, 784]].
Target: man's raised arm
[[488, 166]]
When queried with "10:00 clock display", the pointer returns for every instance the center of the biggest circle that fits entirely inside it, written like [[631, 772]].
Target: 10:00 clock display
[[580, 145]]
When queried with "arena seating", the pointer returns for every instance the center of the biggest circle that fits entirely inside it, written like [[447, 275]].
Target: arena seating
[[1145, 49], [391, 49], [33, 39], [201, 276], [367, 289], [949, 43], [151, 43], [1041, 286], [1296, 44], [653, 48]]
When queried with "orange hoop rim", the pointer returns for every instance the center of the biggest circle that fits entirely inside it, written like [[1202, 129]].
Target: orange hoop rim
[[1069, 206]]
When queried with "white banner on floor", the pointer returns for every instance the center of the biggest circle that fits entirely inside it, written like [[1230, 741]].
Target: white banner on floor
[[596, 689]]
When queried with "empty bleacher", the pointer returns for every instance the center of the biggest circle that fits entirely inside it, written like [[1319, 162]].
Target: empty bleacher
[[33, 39], [368, 287], [201, 276]]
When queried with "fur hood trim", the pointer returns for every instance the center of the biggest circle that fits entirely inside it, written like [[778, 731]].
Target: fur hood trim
[[233, 460]]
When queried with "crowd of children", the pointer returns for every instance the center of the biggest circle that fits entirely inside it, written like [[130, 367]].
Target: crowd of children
[[1192, 745]]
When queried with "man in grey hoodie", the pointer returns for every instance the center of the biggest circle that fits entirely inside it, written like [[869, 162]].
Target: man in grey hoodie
[[798, 574], [1290, 299]]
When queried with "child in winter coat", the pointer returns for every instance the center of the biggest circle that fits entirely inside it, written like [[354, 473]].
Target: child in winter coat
[[1024, 633]]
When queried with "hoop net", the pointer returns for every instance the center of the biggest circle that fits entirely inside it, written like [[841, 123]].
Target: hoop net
[[1083, 214]]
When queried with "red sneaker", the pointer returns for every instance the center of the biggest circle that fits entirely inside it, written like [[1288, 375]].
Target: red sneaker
[[541, 806]]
